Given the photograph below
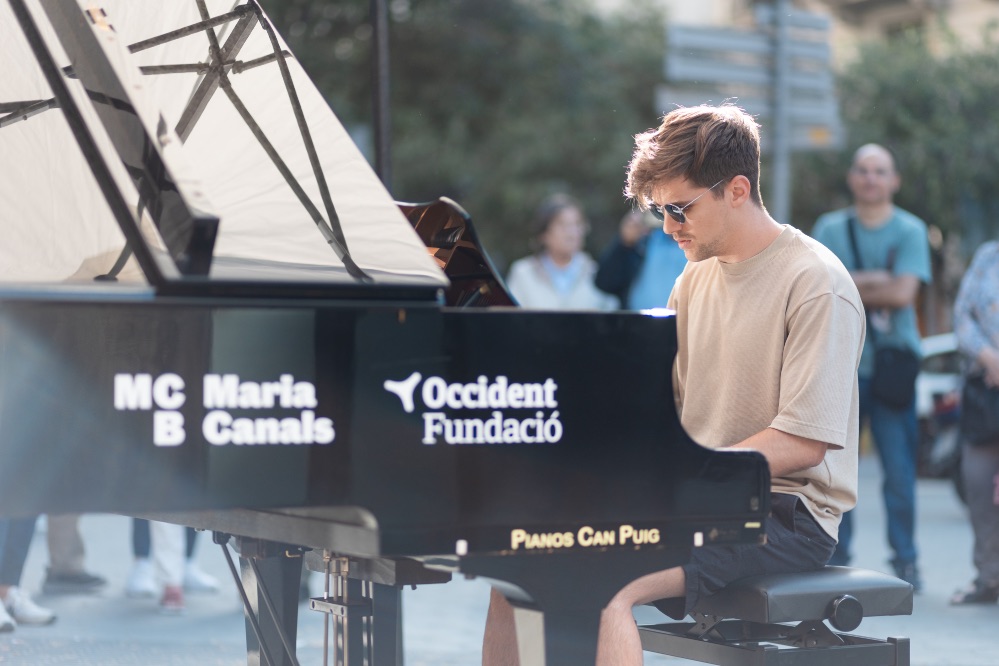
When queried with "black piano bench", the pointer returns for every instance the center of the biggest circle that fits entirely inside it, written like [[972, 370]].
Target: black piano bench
[[779, 620]]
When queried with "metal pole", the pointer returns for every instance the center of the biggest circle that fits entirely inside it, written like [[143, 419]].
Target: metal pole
[[781, 200], [380, 93]]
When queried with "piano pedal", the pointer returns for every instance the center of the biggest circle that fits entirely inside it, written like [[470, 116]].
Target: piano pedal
[[349, 604]]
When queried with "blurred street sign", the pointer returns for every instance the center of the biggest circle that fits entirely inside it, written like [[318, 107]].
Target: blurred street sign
[[710, 65], [779, 71], [815, 123]]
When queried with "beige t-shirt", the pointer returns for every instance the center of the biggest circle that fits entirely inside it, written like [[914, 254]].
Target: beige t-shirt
[[774, 342]]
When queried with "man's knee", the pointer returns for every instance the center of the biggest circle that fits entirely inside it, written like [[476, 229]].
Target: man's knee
[[651, 587]]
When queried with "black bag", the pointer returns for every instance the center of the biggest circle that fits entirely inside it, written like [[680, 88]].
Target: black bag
[[979, 412], [894, 380]]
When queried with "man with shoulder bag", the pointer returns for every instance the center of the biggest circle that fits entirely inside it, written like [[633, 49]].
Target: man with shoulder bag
[[887, 252]]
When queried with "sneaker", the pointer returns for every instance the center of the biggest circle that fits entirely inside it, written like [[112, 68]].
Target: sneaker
[[75, 582], [977, 593], [141, 580], [7, 623], [24, 610], [172, 601], [197, 580], [909, 572]]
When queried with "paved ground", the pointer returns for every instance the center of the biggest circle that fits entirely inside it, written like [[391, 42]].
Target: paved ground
[[443, 624]]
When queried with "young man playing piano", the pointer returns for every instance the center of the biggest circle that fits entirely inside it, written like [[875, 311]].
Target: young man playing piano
[[770, 330]]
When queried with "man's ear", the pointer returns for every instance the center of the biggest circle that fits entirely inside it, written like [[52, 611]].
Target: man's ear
[[741, 190]]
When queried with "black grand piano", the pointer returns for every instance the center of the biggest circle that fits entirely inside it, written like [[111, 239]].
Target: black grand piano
[[213, 313]]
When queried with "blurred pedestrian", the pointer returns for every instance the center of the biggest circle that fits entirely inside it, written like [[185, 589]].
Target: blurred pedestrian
[[641, 264], [559, 275], [164, 564], [976, 323], [66, 573], [16, 607], [887, 252]]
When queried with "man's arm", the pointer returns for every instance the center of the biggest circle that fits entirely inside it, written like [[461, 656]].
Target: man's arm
[[881, 289], [785, 453]]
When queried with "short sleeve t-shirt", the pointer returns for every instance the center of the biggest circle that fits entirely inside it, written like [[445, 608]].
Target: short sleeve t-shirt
[[774, 342]]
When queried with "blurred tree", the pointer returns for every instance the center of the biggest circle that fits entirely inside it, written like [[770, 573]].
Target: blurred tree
[[936, 111], [495, 104], [938, 115]]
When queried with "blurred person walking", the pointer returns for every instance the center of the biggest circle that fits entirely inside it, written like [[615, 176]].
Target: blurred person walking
[[164, 565], [976, 323], [559, 276], [65, 573], [887, 253], [16, 607]]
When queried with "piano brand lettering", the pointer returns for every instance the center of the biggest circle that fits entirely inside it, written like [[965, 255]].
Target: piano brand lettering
[[437, 393], [164, 395], [586, 537]]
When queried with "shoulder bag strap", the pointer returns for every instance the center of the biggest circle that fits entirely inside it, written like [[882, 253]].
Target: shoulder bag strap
[[858, 262]]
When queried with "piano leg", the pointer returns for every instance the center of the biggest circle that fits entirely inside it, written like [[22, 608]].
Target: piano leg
[[560, 596], [278, 577], [387, 629], [268, 581]]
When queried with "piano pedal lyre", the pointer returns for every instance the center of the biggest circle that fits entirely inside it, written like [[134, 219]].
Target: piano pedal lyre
[[349, 603]]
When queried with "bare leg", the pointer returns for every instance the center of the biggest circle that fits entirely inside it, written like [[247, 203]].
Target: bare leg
[[619, 643], [499, 645]]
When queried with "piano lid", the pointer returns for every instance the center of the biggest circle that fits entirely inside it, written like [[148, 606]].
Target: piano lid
[[238, 174]]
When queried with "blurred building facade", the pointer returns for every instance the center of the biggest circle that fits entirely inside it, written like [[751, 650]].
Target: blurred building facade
[[857, 21]]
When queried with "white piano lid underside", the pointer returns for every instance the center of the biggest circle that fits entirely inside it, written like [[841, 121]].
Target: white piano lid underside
[[58, 226]]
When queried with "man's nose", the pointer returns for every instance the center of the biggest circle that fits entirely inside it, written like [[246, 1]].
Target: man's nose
[[671, 226]]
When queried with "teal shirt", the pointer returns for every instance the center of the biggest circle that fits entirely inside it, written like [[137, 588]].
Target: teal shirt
[[900, 246]]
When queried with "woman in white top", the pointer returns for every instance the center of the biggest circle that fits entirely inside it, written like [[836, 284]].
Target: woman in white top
[[559, 276]]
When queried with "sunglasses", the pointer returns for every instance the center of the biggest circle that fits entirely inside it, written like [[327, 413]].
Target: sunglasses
[[676, 212]]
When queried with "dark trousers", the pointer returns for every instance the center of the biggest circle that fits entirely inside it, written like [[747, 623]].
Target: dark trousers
[[142, 542], [896, 441], [980, 468], [15, 539]]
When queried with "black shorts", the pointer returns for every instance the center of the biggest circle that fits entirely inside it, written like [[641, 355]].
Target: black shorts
[[795, 542]]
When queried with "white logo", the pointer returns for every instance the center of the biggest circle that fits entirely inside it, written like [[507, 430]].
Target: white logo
[[404, 390], [141, 392], [497, 395]]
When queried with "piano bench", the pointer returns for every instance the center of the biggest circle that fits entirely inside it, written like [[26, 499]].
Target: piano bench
[[780, 619]]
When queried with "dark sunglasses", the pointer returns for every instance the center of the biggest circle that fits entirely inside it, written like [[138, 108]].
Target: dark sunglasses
[[676, 212]]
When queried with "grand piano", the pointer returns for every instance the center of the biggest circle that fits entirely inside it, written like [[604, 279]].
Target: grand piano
[[213, 313]]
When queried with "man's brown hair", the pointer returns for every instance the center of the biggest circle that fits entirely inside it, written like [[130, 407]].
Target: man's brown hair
[[701, 144]]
